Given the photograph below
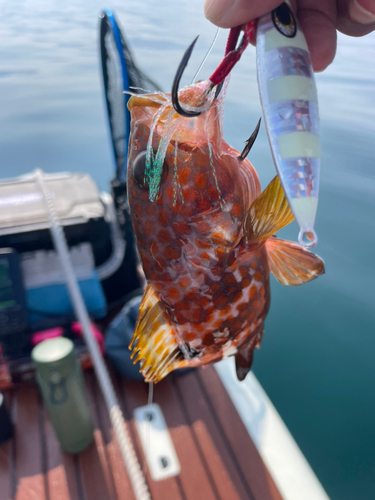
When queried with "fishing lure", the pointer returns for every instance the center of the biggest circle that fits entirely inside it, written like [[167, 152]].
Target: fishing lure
[[205, 235], [290, 107]]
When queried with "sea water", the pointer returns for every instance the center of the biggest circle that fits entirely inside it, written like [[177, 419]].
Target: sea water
[[317, 358]]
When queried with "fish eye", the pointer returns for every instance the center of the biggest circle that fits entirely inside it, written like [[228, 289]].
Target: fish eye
[[139, 170], [284, 20]]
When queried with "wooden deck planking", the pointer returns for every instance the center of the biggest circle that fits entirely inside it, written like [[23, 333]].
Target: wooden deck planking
[[248, 459], [194, 477], [29, 460], [119, 473], [209, 439], [133, 394], [218, 458], [60, 467], [96, 473]]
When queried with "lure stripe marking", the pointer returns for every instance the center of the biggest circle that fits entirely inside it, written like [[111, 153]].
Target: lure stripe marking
[[291, 87], [298, 144], [302, 176], [294, 116], [287, 61]]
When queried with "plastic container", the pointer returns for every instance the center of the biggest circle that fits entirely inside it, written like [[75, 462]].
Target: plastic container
[[60, 379]]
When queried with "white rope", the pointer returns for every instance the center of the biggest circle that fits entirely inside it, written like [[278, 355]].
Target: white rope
[[136, 477]]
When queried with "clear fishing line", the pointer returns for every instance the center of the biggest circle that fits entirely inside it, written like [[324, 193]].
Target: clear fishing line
[[206, 56]]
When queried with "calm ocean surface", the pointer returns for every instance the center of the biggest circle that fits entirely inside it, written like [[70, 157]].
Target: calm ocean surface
[[317, 357]]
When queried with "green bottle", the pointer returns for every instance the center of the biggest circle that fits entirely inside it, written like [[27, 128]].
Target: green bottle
[[60, 379]]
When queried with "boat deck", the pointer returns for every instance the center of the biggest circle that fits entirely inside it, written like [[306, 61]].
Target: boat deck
[[218, 459]]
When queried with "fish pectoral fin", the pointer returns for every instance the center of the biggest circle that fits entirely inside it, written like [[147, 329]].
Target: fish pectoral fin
[[154, 342], [268, 213], [291, 264]]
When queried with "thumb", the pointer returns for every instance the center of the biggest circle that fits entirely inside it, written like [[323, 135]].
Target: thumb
[[230, 13], [356, 17]]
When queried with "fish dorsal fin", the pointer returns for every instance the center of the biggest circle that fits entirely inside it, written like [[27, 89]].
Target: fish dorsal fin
[[154, 342], [268, 213], [292, 264]]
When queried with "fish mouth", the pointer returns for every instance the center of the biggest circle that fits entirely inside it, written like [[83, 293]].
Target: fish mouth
[[148, 100]]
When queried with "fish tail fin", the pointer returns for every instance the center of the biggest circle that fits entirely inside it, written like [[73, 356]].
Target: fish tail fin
[[291, 264], [154, 342], [244, 356], [268, 213]]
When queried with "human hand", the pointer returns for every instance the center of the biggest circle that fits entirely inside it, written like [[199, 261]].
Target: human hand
[[319, 20]]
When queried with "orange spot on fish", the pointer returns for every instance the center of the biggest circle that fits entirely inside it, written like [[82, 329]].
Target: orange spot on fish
[[184, 174], [189, 337], [148, 228], [203, 301], [226, 224], [197, 315], [220, 301], [203, 227], [184, 282], [244, 271], [164, 236], [203, 205], [192, 295], [199, 328], [200, 181], [181, 228], [245, 282], [252, 292], [144, 195], [172, 253], [218, 238], [169, 192], [225, 311], [150, 210], [173, 292], [213, 193], [237, 296], [190, 195], [258, 276], [236, 210], [203, 243], [204, 256], [138, 209], [229, 279]]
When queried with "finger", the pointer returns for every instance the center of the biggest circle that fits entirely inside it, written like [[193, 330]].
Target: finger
[[230, 13], [318, 23], [356, 17]]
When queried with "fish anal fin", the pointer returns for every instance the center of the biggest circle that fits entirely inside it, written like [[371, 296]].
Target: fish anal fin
[[291, 264], [244, 356], [268, 213], [154, 342]]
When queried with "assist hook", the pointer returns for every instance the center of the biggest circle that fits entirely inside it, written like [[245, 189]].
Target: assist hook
[[231, 57]]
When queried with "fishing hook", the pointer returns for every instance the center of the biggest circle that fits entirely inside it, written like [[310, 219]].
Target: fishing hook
[[176, 82], [250, 142]]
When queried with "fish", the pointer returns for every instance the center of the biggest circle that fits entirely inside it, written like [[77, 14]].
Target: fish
[[205, 233], [290, 108]]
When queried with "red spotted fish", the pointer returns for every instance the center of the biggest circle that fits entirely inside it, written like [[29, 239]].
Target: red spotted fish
[[205, 235]]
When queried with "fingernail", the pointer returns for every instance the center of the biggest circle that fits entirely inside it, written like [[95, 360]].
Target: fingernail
[[360, 14], [215, 10]]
